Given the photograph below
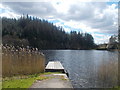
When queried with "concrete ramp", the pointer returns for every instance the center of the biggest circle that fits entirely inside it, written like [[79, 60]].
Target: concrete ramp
[[57, 81]]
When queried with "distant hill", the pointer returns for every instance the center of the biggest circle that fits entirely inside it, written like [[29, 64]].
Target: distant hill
[[34, 32]]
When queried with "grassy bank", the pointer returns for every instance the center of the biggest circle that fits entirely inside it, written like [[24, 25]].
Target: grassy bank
[[24, 81]]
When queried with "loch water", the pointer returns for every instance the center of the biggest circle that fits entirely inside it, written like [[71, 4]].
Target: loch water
[[87, 68]]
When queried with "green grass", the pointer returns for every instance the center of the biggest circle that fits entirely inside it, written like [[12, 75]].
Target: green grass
[[19, 83], [116, 88], [24, 81]]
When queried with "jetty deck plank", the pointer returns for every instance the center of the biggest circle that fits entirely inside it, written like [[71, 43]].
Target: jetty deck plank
[[56, 65]]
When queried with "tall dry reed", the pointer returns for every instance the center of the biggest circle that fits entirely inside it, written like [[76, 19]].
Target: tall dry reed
[[21, 61], [108, 74]]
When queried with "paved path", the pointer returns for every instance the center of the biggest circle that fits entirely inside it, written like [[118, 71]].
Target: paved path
[[56, 81]]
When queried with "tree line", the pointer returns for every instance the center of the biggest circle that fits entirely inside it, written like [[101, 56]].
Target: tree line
[[41, 34]]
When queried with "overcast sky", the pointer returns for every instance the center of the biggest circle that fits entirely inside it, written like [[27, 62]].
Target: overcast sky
[[97, 18]]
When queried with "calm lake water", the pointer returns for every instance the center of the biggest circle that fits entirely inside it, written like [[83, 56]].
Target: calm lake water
[[87, 68]]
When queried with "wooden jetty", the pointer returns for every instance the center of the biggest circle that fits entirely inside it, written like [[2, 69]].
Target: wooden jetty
[[61, 78], [54, 66]]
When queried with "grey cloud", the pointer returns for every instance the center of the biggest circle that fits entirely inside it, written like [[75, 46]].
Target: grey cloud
[[79, 12], [40, 9], [107, 23], [102, 23], [86, 14], [112, 31], [83, 11], [18, 6]]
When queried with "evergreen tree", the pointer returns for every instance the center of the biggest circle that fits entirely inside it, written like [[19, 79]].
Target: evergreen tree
[[42, 34]]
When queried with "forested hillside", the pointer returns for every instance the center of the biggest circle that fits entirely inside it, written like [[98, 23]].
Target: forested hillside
[[34, 32]]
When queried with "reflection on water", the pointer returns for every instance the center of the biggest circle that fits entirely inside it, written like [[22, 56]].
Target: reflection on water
[[87, 68]]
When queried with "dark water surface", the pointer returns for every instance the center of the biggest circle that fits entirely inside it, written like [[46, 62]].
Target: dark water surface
[[87, 68]]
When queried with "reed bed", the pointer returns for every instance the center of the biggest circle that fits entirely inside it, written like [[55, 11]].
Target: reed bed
[[108, 74], [21, 61]]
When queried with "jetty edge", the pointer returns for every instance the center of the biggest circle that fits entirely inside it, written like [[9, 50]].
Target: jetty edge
[[55, 66]]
